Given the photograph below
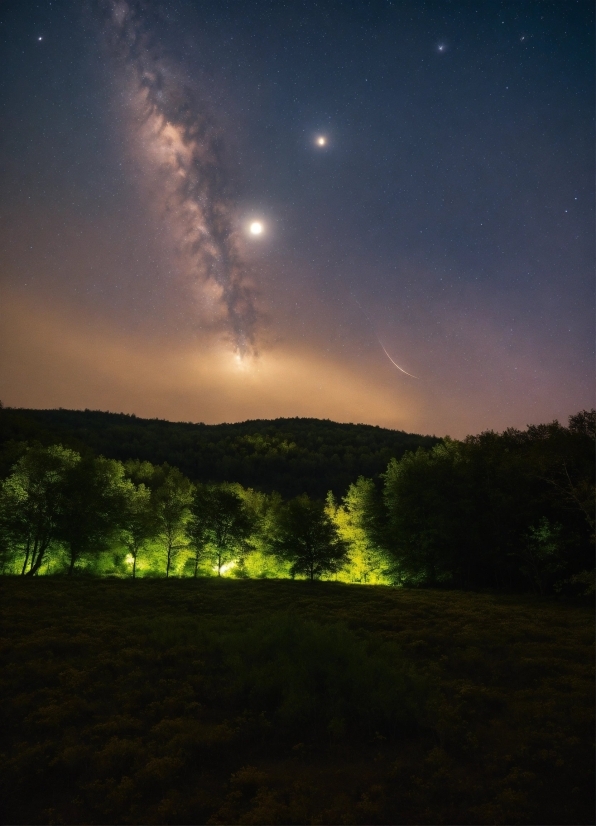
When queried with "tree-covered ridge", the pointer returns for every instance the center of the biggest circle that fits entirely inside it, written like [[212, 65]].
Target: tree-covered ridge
[[510, 511], [291, 456]]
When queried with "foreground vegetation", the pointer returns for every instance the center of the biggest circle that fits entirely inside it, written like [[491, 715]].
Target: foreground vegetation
[[227, 701]]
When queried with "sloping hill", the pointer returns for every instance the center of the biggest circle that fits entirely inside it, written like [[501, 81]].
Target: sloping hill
[[291, 456]]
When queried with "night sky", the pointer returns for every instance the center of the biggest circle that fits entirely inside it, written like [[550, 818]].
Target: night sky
[[421, 172]]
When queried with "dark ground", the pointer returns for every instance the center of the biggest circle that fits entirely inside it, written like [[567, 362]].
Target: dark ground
[[285, 702]]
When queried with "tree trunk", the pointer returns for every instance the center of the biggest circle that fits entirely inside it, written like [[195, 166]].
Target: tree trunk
[[134, 566], [36, 560], [26, 561]]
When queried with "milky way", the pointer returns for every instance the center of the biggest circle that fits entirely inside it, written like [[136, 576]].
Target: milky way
[[183, 149], [448, 191]]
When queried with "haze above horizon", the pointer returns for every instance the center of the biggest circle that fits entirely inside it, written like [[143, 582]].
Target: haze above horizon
[[226, 212]]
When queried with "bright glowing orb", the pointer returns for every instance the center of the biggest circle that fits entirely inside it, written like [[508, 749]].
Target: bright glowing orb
[[321, 140], [256, 228]]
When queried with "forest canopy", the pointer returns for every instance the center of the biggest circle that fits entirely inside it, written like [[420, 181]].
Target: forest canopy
[[290, 456], [510, 511]]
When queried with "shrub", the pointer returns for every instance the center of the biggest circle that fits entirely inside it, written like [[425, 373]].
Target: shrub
[[322, 680]]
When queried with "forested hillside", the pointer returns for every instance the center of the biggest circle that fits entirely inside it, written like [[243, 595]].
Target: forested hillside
[[512, 511], [291, 456]]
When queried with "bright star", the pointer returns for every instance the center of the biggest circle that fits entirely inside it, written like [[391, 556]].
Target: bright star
[[321, 140], [441, 47], [40, 38], [256, 228]]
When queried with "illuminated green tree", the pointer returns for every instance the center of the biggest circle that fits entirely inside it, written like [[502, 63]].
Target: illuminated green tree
[[255, 560], [357, 521], [32, 502], [219, 526], [172, 500], [93, 497], [139, 522], [306, 537]]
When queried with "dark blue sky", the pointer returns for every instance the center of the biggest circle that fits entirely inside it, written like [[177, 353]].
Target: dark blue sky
[[448, 219]]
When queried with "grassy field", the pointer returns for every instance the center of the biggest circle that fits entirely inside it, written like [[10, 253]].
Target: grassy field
[[288, 702]]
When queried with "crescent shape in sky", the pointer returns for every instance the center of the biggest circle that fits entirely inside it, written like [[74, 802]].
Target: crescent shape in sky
[[396, 365]]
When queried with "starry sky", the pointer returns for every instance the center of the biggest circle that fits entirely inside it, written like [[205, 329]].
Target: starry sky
[[422, 175]]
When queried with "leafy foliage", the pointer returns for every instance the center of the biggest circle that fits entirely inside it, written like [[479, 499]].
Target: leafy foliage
[[32, 503], [172, 504], [138, 520], [505, 511], [306, 537], [357, 519], [93, 498], [496, 510], [219, 526]]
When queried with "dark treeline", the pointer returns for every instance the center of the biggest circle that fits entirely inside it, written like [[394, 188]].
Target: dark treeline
[[496, 510], [290, 456], [511, 511]]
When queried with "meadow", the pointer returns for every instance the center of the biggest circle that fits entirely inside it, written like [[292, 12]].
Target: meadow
[[257, 701]]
